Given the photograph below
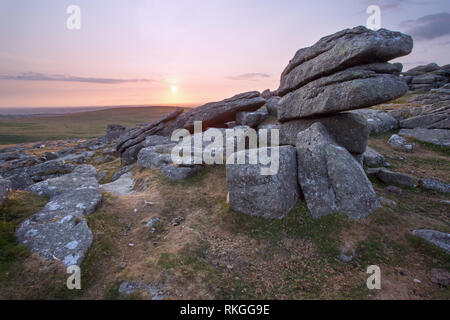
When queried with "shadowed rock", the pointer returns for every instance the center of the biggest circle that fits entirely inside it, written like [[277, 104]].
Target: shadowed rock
[[330, 178], [372, 158], [435, 185], [347, 129], [268, 196], [354, 88]]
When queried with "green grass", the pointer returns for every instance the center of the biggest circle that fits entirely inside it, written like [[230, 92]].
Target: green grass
[[298, 224], [77, 125], [20, 206], [435, 256], [443, 150]]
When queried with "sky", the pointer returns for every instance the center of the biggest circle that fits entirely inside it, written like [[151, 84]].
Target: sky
[[178, 52]]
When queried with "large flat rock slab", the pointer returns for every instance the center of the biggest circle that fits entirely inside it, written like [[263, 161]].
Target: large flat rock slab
[[344, 49], [439, 137], [59, 231], [120, 187], [216, 114], [353, 88]]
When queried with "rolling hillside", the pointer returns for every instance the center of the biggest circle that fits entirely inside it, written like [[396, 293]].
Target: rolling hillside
[[75, 125]]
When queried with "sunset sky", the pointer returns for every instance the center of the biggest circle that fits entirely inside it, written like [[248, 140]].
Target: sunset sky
[[182, 52]]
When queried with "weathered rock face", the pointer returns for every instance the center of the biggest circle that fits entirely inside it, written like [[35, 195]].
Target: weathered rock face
[[439, 137], [5, 187], [216, 114], [400, 143], [372, 158], [354, 88], [174, 172], [436, 116], [426, 77], [433, 96], [269, 196], [21, 178], [378, 120], [152, 157], [113, 132], [347, 129], [251, 119], [272, 104], [435, 185], [440, 239], [131, 142], [59, 231], [392, 178], [330, 178], [344, 49]]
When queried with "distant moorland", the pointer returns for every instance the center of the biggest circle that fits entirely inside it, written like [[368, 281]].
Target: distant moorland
[[75, 125]]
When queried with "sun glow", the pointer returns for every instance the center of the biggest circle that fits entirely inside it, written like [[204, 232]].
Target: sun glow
[[174, 89]]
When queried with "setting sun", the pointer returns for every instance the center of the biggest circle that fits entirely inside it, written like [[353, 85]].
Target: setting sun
[[174, 89]]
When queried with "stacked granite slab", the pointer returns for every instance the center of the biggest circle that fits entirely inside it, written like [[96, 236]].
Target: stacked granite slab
[[345, 71]]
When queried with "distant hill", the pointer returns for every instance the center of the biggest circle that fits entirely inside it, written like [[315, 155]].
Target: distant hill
[[75, 125]]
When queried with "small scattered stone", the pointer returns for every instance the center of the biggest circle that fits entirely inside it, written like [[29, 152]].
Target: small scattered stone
[[394, 190], [387, 202], [399, 142], [177, 221], [152, 222]]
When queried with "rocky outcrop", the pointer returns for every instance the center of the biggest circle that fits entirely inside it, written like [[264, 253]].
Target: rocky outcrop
[[372, 158], [216, 114], [269, 196], [344, 49], [354, 88], [113, 132], [251, 119], [399, 143], [155, 157], [426, 77], [330, 178], [213, 114], [59, 231], [378, 120], [131, 142], [433, 96], [23, 177], [436, 116]]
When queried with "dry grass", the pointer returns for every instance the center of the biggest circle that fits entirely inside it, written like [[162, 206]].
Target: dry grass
[[216, 253]]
